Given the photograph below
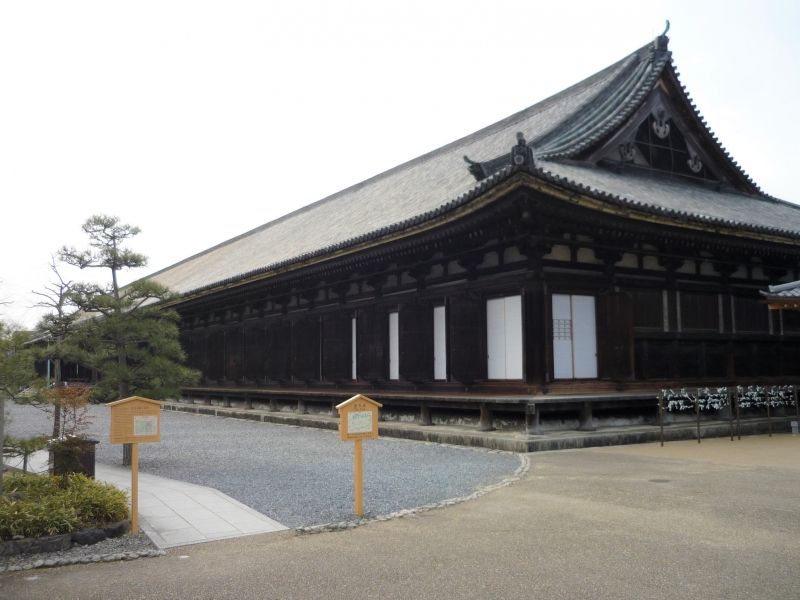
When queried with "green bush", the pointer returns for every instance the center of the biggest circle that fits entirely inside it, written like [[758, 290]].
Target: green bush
[[34, 505], [35, 519], [95, 501]]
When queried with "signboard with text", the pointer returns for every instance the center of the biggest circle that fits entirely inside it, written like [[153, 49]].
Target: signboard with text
[[135, 420], [358, 418]]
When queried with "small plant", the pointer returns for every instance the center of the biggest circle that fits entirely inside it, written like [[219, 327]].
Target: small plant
[[72, 404]]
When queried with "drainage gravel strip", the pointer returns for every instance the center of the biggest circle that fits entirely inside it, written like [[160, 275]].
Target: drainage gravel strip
[[126, 547]]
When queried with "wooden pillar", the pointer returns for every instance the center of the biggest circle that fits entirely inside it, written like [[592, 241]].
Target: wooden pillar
[[536, 331], [248, 402], [425, 414], [486, 418], [301, 406], [585, 420], [226, 401], [273, 405]]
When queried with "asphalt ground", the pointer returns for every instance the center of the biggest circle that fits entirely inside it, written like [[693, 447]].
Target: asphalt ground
[[297, 476], [715, 520]]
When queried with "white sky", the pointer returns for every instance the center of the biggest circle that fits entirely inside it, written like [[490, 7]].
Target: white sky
[[198, 120]]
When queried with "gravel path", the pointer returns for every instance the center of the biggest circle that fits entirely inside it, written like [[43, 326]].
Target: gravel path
[[296, 475]]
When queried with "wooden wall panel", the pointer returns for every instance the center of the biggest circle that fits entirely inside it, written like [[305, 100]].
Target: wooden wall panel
[[255, 353], [198, 359], [615, 353], [216, 355], [416, 342], [336, 351], [234, 353], [373, 343], [751, 314], [648, 308], [699, 311], [306, 348], [467, 338], [278, 347]]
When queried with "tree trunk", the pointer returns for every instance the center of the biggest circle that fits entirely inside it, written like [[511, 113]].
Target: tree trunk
[[122, 357], [56, 407]]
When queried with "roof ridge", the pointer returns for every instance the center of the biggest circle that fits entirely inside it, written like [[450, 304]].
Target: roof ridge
[[626, 84]]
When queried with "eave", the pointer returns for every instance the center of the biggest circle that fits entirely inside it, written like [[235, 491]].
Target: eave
[[488, 191]]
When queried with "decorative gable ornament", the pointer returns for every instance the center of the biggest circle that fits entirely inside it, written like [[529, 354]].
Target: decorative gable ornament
[[661, 125], [694, 162]]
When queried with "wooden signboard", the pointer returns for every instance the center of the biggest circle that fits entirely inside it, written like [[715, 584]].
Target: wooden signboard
[[358, 420], [135, 420]]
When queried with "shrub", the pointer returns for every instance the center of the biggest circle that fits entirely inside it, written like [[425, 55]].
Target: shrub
[[95, 501], [35, 519], [34, 506]]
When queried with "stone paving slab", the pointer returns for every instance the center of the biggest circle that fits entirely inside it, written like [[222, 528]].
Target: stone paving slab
[[174, 513]]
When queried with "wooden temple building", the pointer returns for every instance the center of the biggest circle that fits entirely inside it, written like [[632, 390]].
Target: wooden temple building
[[599, 245]]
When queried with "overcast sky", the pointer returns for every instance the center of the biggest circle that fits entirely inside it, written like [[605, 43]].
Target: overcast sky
[[198, 121]]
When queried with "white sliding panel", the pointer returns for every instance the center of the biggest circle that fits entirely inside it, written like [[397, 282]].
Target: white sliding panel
[[513, 314], [574, 337], [562, 337], [353, 353], [394, 345], [584, 337], [504, 337], [439, 343], [496, 338]]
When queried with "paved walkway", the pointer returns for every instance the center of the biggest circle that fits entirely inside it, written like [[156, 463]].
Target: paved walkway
[[174, 513]]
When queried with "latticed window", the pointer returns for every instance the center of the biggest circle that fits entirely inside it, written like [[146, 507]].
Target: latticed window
[[664, 148]]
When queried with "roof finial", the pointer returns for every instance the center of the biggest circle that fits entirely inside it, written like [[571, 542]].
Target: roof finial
[[477, 169], [662, 41], [521, 153]]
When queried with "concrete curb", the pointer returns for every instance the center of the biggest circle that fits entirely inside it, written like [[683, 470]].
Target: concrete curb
[[508, 442]]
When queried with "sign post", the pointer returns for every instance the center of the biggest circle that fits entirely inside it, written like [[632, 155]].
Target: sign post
[[358, 421], [135, 420]]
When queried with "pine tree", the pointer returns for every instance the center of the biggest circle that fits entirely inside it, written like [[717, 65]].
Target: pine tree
[[129, 337]]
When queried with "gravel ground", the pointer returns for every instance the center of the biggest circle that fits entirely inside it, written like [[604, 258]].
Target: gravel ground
[[296, 475]]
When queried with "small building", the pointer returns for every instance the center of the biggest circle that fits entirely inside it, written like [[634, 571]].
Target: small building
[[600, 242]]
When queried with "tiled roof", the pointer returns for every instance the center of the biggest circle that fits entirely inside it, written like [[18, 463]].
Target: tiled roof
[[784, 291], [558, 128]]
